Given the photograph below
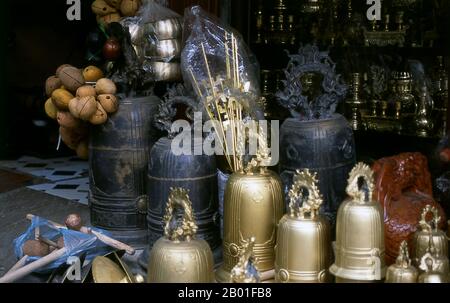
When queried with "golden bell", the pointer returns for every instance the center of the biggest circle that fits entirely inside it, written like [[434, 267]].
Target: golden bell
[[359, 231], [253, 205], [178, 257], [426, 230], [402, 271], [303, 250]]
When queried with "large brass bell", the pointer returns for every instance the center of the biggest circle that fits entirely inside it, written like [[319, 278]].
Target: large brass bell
[[303, 250], [253, 205], [359, 231], [402, 271], [426, 230], [178, 257]]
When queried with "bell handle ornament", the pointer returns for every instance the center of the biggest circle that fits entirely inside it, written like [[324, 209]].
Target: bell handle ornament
[[428, 225], [360, 185], [311, 201], [186, 229], [167, 111]]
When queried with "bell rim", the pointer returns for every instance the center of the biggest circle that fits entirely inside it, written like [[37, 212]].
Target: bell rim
[[357, 274]]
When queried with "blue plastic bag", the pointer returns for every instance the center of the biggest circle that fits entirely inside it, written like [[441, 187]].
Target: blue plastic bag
[[76, 243]]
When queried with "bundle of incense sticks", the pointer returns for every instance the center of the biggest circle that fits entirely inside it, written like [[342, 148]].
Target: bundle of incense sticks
[[221, 98]]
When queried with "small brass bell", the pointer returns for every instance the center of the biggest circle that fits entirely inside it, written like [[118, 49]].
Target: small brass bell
[[402, 271], [178, 257], [426, 230], [303, 250], [359, 231], [246, 271]]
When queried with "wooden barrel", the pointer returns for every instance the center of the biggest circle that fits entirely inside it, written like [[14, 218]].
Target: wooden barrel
[[118, 160], [323, 146]]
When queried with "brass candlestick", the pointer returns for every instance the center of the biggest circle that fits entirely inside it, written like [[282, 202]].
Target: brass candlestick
[[423, 122], [355, 103]]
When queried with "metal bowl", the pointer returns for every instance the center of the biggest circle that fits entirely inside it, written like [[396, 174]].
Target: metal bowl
[[166, 71], [164, 49], [164, 29]]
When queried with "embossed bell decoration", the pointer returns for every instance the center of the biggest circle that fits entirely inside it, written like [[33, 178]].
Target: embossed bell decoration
[[253, 204], [426, 230], [246, 271], [178, 257], [303, 250], [402, 271], [359, 231], [431, 274]]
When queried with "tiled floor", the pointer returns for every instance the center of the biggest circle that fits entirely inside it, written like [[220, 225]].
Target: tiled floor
[[67, 177]]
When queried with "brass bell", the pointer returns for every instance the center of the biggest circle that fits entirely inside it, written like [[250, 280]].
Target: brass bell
[[303, 250], [178, 257], [402, 271], [359, 231], [246, 271], [253, 204], [426, 230]]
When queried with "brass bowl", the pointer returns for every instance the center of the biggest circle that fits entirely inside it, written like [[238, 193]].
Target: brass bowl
[[164, 29], [166, 71], [164, 50]]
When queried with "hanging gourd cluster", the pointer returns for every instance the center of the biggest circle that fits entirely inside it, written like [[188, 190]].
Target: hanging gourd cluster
[[108, 11], [78, 97]]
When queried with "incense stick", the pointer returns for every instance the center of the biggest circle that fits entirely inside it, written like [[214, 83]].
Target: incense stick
[[227, 56], [209, 72]]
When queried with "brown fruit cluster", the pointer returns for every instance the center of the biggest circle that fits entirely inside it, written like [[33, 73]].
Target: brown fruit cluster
[[108, 11], [74, 103]]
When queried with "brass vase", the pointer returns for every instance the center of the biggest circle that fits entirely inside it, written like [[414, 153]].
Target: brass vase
[[253, 205], [402, 271], [426, 230], [359, 231], [303, 250], [178, 257]]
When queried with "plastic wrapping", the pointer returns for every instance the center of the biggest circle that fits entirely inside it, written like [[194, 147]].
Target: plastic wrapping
[[206, 36], [156, 36], [76, 243]]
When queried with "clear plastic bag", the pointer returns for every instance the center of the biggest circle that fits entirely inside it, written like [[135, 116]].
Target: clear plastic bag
[[76, 243], [156, 37], [207, 37]]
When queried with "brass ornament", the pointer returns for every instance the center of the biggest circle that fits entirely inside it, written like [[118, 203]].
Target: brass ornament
[[431, 274], [402, 271], [360, 231], [426, 230], [303, 250], [246, 270], [178, 257]]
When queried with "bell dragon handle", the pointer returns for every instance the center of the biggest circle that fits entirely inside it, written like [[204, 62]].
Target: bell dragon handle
[[360, 185], [186, 230], [428, 225], [309, 203], [167, 111]]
